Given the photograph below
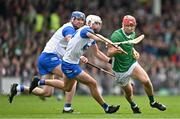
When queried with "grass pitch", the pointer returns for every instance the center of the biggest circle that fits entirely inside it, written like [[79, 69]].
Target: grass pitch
[[25, 106]]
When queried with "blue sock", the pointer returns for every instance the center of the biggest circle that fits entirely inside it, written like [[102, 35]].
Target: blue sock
[[67, 105], [105, 106], [41, 82], [21, 88]]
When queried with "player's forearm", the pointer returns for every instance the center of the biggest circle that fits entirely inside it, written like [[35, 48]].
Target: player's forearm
[[68, 37], [111, 52], [92, 36], [100, 55]]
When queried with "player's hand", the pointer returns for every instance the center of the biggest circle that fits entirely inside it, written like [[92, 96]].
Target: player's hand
[[84, 59], [120, 50], [116, 48], [136, 55], [112, 50]]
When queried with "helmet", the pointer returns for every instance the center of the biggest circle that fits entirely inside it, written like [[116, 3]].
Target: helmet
[[93, 19], [129, 20], [78, 14]]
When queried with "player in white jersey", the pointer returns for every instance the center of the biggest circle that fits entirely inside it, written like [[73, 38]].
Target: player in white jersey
[[70, 64], [49, 61]]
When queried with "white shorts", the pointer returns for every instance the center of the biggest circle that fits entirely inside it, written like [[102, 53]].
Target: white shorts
[[124, 78]]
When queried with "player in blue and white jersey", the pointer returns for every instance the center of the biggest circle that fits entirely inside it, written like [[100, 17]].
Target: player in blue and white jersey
[[83, 39], [49, 61]]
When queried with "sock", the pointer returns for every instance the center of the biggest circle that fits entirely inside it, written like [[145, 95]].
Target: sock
[[105, 106], [133, 104], [151, 99], [41, 82], [67, 106], [20, 88]]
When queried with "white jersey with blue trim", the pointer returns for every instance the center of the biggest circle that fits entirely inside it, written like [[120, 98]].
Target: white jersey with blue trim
[[57, 44], [77, 45]]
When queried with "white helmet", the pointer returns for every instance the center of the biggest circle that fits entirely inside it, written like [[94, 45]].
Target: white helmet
[[93, 19]]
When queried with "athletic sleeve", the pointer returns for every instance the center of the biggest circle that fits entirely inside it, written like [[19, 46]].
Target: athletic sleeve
[[94, 42], [84, 31], [68, 31]]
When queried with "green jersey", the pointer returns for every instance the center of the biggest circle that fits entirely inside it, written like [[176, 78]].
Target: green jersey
[[123, 62]]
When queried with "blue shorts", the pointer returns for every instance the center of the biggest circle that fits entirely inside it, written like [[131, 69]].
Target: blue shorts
[[70, 70], [47, 62]]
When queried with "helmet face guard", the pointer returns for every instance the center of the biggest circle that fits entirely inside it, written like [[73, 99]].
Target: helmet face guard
[[129, 20], [78, 15], [94, 22]]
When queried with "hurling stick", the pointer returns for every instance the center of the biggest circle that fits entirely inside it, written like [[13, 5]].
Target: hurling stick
[[108, 41], [134, 41], [101, 69]]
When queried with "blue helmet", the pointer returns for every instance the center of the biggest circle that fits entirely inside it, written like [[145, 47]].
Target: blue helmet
[[78, 14]]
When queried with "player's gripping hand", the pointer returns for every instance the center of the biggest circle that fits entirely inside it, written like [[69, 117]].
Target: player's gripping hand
[[115, 49], [84, 59], [135, 54], [120, 50]]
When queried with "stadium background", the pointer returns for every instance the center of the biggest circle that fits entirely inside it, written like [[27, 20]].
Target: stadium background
[[26, 25]]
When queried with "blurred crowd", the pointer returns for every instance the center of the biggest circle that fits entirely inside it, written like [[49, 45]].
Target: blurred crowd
[[26, 25]]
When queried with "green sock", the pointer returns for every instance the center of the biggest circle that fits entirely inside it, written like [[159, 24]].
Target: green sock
[[151, 99]]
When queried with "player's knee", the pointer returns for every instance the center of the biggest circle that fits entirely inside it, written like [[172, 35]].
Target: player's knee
[[143, 79], [67, 89], [93, 83]]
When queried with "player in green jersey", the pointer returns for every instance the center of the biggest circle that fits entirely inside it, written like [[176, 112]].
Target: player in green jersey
[[126, 66]]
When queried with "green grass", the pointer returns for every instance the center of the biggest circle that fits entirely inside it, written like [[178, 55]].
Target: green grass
[[31, 107]]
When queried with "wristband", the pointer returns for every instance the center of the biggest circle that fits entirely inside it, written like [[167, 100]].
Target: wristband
[[110, 61]]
